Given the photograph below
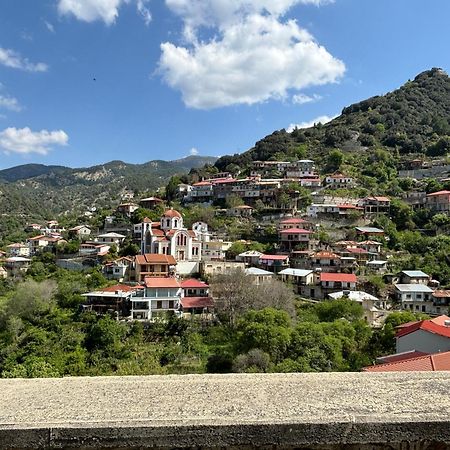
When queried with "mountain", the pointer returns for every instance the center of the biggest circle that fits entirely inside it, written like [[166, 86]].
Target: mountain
[[29, 171], [43, 191], [414, 119]]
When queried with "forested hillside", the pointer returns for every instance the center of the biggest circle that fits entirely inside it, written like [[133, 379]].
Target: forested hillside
[[40, 191], [412, 119]]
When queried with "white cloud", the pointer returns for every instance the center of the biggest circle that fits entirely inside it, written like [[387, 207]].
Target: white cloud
[[222, 12], [310, 123], [24, 141], [301, 99], [105, 10], [144, 11], [254, 60], [91, 10], [10, 103], [49, 26], [11, 58], [193, 151]]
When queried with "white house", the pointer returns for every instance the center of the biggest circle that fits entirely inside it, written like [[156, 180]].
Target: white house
[[258, 276], [415, 297], [414, 277], [161, 296], [298, 277], [18, 249], [111, 238]]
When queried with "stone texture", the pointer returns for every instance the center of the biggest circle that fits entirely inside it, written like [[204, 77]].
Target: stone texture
[[330, 410]]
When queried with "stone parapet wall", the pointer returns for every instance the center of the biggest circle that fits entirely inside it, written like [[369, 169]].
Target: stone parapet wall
[[316, 411]]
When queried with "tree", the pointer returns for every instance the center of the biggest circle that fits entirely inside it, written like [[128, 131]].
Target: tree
[[334, 160], [254, 361], [234, 200], [171, 188], [235, 295], [268, 330], [331, 310]]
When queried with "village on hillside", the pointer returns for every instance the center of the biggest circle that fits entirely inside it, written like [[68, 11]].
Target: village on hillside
[[307, 234]]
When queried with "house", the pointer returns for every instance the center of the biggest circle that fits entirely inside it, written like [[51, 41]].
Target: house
[[376, 205], [196, 298], [295, 238], [424, 363], [154, 265], [127, 208], [441, 301], [429, 336], [201, 192], [310, 182], [361, 255], [315, 209], [438, 202], [111, 239], [170, 237], [119, 269], [115, 298], [414, 277], [338, 180], [332, 282], [43, 243], [18, 249], [373, 247], [80, 231], [16, 265], [274, 263], [240, 211], [377, 266], [294, 222], [258, 276], [325, 260], [212, 268], [215, 250], [297, 277], [250, 257], [150, 202], [94, 249], [349, 208], [161, 296], [369, 231], [415, 297]]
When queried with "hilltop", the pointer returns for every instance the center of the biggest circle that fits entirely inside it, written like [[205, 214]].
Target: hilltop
[[414, 119]]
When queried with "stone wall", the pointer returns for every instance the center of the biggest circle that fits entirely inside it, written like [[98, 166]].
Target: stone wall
[[270, 411]]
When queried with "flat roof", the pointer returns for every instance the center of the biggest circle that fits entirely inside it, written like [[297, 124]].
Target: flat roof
[[413, 287]]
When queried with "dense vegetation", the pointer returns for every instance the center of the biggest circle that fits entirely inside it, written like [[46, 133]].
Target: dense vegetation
[[44, 333]]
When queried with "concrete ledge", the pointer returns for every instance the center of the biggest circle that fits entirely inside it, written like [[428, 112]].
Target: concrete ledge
[[326, 411]]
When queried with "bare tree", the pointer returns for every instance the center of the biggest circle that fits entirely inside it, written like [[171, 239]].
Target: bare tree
[[234, 294]]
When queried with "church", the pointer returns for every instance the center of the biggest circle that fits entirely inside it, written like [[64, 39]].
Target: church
[[170, 237]]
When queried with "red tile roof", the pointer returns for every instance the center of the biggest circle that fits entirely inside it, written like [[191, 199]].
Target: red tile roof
[[356, 250], [432, 326], [295, 230], [428, 363], [325, 255], [172, 213], [161, 282], [293, 220], [344, 277], [157, 232], [155, 258], [400, 356], [197, 302], [193, 283], [118, 287], [274, 257], [439, 193]]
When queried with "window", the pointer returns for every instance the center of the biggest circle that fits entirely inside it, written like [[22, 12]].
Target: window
[[159, 304], [171, 304]]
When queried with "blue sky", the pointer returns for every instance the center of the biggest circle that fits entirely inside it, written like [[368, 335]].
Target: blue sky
[[87, 81]]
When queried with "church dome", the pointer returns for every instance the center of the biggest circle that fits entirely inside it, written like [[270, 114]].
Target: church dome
[[172, 213]]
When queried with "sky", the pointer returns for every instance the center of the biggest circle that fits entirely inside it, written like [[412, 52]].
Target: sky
[[84, 82]]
